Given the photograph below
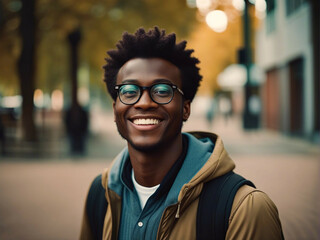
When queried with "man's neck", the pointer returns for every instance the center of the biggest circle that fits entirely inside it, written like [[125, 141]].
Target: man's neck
[[151, 167]]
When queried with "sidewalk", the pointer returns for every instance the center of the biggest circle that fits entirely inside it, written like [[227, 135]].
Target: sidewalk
[[261, 141], [44, 199], [103, 140]]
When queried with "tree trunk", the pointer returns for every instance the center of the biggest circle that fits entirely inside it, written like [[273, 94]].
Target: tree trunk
[[26, 68], [74, 39], [315, 6]]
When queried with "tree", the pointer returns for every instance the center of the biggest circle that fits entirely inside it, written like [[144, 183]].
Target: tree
[[26, 67]]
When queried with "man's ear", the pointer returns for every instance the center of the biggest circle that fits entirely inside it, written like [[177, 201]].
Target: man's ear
[[186, 110]]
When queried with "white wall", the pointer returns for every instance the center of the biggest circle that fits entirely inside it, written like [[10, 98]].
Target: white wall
[[292, 38]]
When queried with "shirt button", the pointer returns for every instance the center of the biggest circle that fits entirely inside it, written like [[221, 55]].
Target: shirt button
[[140, 224]]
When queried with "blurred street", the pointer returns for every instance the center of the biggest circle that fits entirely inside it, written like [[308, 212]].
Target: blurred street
[[43, 198], [259, 59]]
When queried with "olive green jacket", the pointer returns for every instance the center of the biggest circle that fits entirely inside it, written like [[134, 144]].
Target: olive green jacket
[[253, 215]]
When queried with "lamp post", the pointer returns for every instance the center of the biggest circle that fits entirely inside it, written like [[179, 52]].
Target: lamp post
[[217, 20], [251, 113]]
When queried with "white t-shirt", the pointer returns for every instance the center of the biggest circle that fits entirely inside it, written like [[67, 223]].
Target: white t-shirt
[[143, 192]]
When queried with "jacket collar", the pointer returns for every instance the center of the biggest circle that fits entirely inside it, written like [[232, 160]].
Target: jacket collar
[[198, 152]]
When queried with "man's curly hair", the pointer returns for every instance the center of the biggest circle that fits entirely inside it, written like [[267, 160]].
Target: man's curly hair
[[153, 44]]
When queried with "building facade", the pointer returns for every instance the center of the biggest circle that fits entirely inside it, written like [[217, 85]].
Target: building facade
[[287, 48]]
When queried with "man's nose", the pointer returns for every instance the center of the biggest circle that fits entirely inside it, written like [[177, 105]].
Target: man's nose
[[145, 101]]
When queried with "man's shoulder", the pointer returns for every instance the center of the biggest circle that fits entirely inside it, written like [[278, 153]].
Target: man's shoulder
[[254, 216], [255, 202], [104, 177]]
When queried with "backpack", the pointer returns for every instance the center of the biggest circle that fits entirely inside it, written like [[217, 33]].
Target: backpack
[[213, 213], [215, 205], [96, 207]]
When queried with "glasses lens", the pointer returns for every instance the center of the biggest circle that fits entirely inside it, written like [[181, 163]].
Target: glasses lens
[[129, 93], [161, 93]]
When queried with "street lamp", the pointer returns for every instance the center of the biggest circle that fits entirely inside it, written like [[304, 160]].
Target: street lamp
[[217, 20], [252, 105]]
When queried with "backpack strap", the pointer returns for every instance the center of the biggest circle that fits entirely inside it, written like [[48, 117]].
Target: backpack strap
[[215, 205], [96, 207]]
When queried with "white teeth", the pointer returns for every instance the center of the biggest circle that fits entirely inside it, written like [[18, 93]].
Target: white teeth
[[148, 121]]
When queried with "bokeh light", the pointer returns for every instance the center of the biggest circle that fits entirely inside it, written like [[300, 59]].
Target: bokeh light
[[57, 100], [38, 98], [203, 5], [217, 20], [238, 4]]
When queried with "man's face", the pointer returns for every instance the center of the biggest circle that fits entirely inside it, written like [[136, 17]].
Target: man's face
[[147, 125]]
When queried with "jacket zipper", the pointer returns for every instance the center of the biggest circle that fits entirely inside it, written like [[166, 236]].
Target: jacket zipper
[[177, 213], [179, 203], [178, 210]]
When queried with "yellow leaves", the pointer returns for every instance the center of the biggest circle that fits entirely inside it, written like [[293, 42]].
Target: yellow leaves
[[102, 23], [215, 51]]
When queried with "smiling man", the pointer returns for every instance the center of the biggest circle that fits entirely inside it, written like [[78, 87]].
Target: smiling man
[[157, 187]]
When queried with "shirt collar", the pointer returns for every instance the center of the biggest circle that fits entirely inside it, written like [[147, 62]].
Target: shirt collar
[[168, 180]]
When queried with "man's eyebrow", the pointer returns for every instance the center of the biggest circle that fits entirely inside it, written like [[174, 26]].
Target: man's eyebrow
[[135, 81], [162, 80]]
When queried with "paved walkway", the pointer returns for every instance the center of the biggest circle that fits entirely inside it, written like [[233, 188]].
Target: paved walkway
[[43, 199]]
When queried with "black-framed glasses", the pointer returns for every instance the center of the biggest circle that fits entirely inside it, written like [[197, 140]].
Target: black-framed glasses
[[160, 93]]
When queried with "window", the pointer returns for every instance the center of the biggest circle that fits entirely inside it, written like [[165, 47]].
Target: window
[[271, 16], [271, 5], [293, 5]]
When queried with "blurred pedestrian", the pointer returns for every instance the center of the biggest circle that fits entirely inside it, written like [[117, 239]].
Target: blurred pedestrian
[[2, 137], [154, 187], [76, 120], [225, 107], [210, 112]]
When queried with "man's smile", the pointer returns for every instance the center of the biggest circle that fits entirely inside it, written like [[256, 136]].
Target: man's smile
[[146, 121]]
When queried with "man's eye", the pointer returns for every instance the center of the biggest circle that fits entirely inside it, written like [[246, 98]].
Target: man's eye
[[129, 93], [162, 91]]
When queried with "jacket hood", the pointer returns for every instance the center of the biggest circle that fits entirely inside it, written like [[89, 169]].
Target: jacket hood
[[219, 162], [206, 159]]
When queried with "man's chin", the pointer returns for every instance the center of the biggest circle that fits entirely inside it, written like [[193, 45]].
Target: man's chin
[[145, 147]]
